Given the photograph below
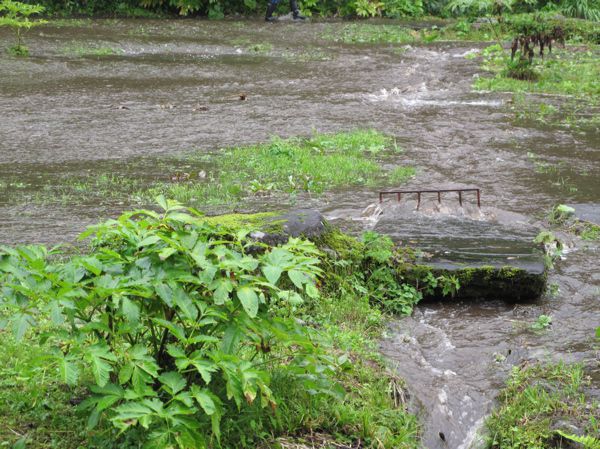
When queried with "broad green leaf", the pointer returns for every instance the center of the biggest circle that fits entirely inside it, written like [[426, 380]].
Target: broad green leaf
[[312, 291], [175, 329], [204, 398], [125, 373], [93, 265], [204, 367], [222, 288], [185, 304], [166, 253], [69, 372], [297, 277], [130, 310], [21, 323], [126, 413], [173, 381], [165, 293], [231, 338], [99, 357], [249, 300], [272, 273], [162, 202], [149, 241]]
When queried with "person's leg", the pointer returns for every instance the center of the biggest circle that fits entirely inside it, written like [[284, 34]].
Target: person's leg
[[295, 10], [270, 10]]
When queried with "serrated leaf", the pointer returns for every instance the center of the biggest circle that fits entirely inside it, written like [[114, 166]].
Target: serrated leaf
[[173, 381], [166, 253], [272, 273], [204, 367], [125, 373], [69, 372], [130, 310], [21, 324], [185, 304], [231, 339], [175, 329], [297, 277], [204, 398], [222, 288], [99, 357], [149, 241], [249, 300]]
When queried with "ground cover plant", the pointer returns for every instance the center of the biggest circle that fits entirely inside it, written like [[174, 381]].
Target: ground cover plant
[[562, 217], [182, 333], [540, 407], [16, 15]]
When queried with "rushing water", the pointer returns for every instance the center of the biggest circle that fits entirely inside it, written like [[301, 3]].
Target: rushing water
[[174, 86]]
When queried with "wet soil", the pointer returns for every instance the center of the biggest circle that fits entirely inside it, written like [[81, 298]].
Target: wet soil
[[126, 96]]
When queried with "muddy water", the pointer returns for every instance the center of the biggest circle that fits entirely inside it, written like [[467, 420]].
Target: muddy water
[[173, 86]]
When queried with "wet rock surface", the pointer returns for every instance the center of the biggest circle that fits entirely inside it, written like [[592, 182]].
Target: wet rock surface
[[587, 212], [306, 223]]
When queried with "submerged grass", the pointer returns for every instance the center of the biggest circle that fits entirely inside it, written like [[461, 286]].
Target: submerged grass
[[94, 51], [314, 165], [281, 169], [537, 403]]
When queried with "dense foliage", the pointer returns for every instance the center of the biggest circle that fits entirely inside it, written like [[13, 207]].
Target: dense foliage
[[179, 323], [586, 9]]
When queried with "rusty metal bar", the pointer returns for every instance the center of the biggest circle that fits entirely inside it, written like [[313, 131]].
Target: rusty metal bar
[[439, 192]]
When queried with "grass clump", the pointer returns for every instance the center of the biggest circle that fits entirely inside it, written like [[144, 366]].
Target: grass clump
[[364, 33], [565, 72], [293, 166], [537, 403], [90, 51]]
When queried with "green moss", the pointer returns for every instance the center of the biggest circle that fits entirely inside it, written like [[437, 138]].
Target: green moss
[[344, 245], [263, 221], [506, 282]]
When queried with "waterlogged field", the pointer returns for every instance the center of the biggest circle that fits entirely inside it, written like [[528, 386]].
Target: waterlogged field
[[123, 347]]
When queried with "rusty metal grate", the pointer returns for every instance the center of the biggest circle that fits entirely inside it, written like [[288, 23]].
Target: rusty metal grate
[[439, 192]]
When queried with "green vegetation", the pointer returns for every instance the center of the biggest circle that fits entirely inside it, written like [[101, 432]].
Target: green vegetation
[[563, 217], [567, 72], [281, 168], [539, 406], [16, 15], [97, 51], [542, 322], [292, 166], [182, 333]]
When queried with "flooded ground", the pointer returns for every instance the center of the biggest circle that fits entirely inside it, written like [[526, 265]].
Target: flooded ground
[[125, 96]]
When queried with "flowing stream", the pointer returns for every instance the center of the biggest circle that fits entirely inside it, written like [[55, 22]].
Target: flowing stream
[[119, 96]]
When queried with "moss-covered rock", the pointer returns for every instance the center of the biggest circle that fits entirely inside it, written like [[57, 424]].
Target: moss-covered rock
[[525, 279], [522, 281]]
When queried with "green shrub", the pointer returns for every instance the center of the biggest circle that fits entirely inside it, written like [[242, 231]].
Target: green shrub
[[520, 69], [180, 323], [17, 16]]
